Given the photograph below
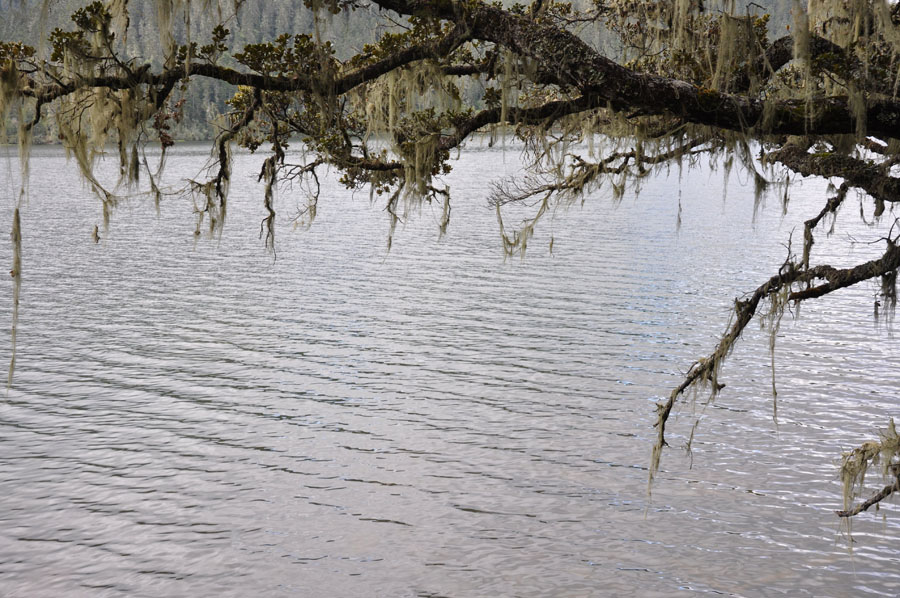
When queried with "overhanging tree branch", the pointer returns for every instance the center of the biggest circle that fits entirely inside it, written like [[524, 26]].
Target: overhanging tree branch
[[705, 372], [574, 64], [570, 63], [866, 175]]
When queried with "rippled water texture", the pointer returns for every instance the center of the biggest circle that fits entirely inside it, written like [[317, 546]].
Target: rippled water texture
[[193, 417]]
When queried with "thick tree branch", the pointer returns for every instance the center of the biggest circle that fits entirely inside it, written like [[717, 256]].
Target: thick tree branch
[[868, 176], [574, 64], [778, 54]]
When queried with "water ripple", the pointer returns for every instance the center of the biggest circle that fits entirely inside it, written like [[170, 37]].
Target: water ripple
[[195, 417]]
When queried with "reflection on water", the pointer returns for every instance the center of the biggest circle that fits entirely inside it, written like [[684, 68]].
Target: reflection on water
[[195, 417]]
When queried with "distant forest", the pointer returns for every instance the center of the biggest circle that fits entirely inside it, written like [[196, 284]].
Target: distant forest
[[257, 21]]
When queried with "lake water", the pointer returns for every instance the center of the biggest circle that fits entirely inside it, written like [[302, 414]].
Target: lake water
[[192, 417]]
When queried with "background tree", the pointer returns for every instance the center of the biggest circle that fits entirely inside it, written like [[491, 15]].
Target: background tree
[[602, 93]]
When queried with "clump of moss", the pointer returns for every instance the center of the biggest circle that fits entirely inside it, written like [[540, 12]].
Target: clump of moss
[[856, 463]]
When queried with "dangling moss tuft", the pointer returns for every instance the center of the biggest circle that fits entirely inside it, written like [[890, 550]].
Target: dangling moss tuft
[[16, 273]]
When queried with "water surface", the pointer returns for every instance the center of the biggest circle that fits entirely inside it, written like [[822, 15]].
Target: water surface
[[192, 416]]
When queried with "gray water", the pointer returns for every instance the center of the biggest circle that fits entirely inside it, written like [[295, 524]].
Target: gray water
[[191, 416]]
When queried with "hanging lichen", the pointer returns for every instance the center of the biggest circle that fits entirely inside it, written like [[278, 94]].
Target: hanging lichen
[[856, 463], [16, 273]]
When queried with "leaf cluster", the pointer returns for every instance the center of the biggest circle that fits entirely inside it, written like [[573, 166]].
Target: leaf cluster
[[95, 18], [288, 55], [14, 51]]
